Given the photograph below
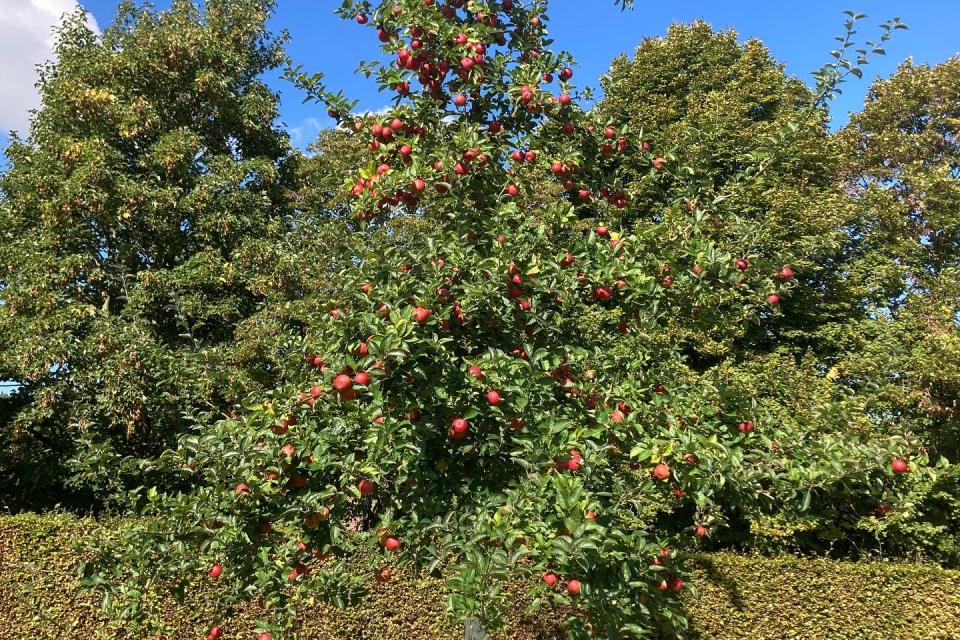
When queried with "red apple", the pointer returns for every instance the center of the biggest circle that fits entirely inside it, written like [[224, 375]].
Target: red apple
[[661, 471], [241, 490], [459, 428], [392, 544], [476, 372], [602, 293], [551, 579], [342, 383], [742, 264], [899, 466], [362, 378], [773, 299], [366, 487], [785, 273], [493, 397], [214, 633], [573, 586], [421, 315], [298, 570], [215, 571]]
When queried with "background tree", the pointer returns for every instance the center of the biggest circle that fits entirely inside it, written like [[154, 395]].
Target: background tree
[[720, 102], [144, 229], [902, 170]]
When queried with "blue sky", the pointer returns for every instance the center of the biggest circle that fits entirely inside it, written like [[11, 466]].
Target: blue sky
[[595, 31]]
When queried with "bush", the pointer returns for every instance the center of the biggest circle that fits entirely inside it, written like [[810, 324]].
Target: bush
[[740, 597]]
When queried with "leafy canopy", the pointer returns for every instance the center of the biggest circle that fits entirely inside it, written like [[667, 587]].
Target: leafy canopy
[[499, 395]]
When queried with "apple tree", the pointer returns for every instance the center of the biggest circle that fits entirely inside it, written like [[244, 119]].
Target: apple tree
[[498, 397]]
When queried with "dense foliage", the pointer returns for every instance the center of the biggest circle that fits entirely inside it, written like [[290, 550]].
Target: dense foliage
[[843, 337], [493, 333], [143, 255], [508, 394], [901, 266]]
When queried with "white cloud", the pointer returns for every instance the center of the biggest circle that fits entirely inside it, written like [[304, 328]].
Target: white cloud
[[305, 133], [26, 40], [373, 113]]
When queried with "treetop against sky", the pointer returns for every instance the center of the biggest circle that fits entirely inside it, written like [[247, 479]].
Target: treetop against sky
[[800, 34]]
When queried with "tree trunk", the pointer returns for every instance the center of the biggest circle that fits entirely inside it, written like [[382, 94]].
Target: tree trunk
[[473, 630]]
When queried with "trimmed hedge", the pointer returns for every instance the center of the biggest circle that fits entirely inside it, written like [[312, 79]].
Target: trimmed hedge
[[740, 597]]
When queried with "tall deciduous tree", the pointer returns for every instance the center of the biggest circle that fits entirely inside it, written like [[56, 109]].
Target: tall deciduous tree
[[723, 104], [902, 268], [720, 102], [143, 224]]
